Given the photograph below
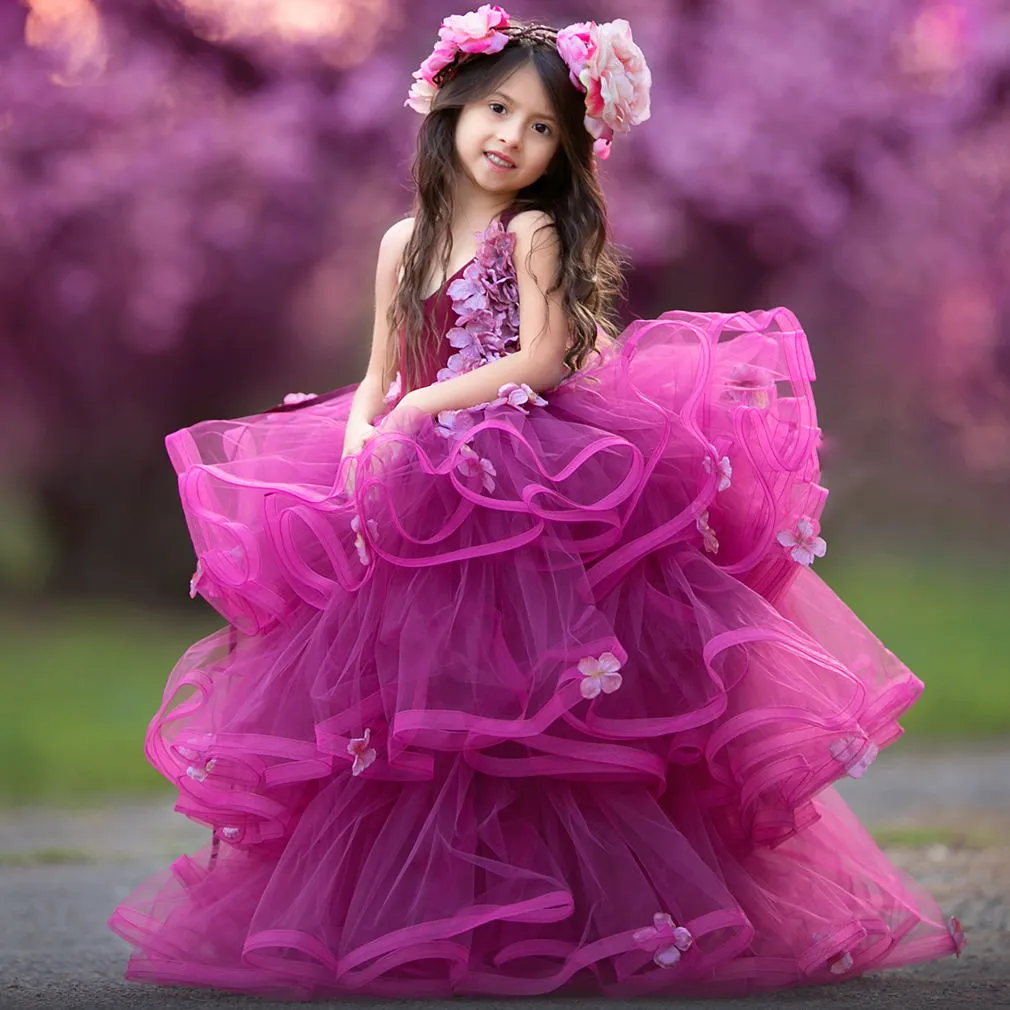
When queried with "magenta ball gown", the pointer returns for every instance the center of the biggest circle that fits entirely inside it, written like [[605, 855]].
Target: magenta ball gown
[[537, 697]]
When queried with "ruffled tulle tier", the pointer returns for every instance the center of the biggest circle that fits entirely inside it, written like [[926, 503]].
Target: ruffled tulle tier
[[512, 682]]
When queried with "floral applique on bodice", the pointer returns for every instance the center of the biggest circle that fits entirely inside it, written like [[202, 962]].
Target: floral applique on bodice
[[484, 304], [476, 312]]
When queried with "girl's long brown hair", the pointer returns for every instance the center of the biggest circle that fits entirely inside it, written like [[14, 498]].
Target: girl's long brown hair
[[589, 273]]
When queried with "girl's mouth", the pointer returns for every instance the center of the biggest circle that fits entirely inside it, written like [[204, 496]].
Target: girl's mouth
[[498, 161]]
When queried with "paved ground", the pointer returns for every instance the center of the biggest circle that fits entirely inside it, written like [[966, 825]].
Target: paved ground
[[945, 815]]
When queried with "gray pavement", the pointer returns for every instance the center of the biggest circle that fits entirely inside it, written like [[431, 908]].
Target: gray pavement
[[56, 952]]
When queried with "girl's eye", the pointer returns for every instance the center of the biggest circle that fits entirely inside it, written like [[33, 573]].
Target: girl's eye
[[542, 128], [496, 107]]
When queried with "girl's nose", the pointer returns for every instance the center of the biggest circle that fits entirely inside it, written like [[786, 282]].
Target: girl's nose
[[508, 133]]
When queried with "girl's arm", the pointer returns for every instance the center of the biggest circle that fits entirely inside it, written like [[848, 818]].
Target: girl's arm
[[368, 400], [543, 329]]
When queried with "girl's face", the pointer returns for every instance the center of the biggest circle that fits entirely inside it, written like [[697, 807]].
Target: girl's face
[[505, 140]]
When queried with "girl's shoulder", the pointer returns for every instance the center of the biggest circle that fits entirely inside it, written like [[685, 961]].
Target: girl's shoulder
[[534, 230], [527, 222], [392, 247], [397, 235]]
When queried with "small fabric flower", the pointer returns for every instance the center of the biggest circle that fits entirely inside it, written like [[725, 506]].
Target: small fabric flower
[[599, 675], [841, 964], [463, 361], [460, 337], [856, 753], [518, 396], [360, 544], [957, 933], [723, 467], [708, 538], [196, 579], [454, 422], [229, 833], [803, 542], [467, 293], [292, 398], [668, 940], [470, 463], [395, 388], [749, 385], [196, 773], [363, 755]]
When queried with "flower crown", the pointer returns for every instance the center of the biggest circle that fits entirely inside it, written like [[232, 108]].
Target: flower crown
[[602, 60]]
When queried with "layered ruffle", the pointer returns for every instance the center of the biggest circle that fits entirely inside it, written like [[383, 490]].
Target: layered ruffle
[[507, 685]]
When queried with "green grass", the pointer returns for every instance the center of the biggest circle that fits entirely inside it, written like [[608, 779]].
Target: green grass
[[923, 837], [77, 689], [78, 686], [949, 622], [45, 857]]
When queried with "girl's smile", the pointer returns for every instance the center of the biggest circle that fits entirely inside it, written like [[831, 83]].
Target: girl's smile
[[499, 161]]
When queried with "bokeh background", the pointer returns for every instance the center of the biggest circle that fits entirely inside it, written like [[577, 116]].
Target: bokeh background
[[191, 197]]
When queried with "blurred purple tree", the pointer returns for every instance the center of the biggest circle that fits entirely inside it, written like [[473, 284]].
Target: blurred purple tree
[[194, 190]]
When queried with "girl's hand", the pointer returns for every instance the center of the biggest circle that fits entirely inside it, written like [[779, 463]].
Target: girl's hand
[[355, 436], [407, 416]]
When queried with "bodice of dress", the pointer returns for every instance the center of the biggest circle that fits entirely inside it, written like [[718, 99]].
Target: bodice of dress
[[475, 314]]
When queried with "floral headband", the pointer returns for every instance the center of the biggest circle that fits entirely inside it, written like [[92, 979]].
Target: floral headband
[[602, 60]]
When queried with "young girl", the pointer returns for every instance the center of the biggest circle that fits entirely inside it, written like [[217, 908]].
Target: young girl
[[526, 684]]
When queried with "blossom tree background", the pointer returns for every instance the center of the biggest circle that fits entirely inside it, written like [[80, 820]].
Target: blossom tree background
[[194, 192]]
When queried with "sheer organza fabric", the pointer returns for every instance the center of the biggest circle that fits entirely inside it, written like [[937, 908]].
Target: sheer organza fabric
[[413, 788]]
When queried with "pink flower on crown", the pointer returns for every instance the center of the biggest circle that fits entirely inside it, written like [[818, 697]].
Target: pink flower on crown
[[619, 79], [611, 69], [476, 32], [577, 48], [441, 56]]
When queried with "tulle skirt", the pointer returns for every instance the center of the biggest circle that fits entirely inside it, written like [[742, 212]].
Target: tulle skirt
[[530, 698]]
